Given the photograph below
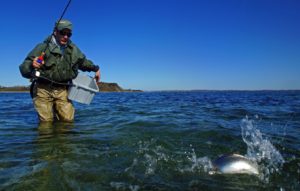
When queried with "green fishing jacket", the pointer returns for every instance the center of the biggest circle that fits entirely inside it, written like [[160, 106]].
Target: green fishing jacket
[[58, 67]]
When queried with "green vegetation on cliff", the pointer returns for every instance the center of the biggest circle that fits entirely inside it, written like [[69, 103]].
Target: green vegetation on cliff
[[113, 87]]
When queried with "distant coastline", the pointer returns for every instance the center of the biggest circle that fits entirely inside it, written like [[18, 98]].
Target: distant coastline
[[103, 87], [114, 87], [229, 90]]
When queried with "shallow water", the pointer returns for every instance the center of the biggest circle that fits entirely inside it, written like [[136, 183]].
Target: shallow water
[[153, 141]]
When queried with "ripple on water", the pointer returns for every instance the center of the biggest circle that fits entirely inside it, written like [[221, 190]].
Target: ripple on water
[[148, 141]]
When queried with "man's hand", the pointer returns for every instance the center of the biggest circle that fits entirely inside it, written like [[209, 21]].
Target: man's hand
[[37, 65], [97, 76]]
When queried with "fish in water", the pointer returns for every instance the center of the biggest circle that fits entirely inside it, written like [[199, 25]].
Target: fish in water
[[235, 164]]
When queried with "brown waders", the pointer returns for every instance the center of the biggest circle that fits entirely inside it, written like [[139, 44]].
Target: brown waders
[[52, 100]]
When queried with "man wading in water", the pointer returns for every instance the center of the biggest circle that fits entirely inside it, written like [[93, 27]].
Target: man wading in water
[[62, 59]]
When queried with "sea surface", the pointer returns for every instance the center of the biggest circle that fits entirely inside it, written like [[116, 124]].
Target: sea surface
[[153, 141]]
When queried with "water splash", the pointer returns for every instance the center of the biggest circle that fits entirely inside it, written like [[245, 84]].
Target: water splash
[[150, 156], [197, 164], [124, 186], [260, 149]]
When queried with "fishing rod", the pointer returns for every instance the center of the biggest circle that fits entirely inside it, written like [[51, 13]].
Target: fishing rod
[[36, 73], [41, 57]]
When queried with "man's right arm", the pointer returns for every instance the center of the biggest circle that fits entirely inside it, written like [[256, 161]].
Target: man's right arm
[[26, 68]]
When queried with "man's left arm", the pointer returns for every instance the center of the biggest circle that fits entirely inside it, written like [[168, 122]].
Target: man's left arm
[[89, 66], [85, 64]]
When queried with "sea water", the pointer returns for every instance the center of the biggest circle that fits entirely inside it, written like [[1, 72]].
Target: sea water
[[153, 141]]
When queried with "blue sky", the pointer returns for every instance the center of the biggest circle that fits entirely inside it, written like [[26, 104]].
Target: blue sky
[[166, 44]]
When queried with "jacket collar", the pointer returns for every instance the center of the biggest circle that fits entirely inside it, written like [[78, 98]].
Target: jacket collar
[[54, 47]]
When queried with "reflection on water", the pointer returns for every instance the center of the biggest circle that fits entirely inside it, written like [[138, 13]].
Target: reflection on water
[[54, 128], [51, 148], [152, 141]]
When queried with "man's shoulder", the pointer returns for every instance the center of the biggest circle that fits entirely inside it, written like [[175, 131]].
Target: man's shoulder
[[71, 44], [38, 48], [74, 48], [41, 45]]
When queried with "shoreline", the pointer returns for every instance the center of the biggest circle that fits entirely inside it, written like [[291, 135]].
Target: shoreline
[[139, 91], [8, 91]]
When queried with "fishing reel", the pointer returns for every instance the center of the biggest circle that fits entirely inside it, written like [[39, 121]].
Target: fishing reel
[[36, 73]]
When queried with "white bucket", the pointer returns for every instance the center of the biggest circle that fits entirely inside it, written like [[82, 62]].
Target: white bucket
[[83, 89]]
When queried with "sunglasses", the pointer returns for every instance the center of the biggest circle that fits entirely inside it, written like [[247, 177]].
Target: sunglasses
[[64, 33]]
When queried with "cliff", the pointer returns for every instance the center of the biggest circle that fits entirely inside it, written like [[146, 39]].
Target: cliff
[[109, 87]]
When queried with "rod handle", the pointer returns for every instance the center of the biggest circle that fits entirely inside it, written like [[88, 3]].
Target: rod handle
[[41, 58]]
